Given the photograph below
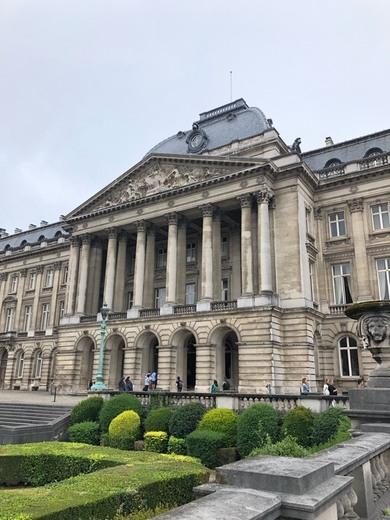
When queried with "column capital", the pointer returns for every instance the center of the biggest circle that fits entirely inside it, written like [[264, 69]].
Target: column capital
[[173, 218], [75, 241], [57, 266], [264, 195], [40, 269], [355, 205], [112, 232], [23, 273], [97, 242], [207, 210], [318, 213], [86, 239], [245, 200], [141, 226], [3, 277]]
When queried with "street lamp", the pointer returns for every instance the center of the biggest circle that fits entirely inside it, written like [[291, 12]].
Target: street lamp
[[99, 385]]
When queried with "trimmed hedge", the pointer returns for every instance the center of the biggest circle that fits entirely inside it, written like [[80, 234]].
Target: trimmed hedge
[[87, 410], [156, 441], [288, 447], [125, 482], [185, 419], [221, 420], [87, 432], [158, 419], [177, 446], [325, 425], [253, 426], [124, 429], [204, 445], [116, 405], [298, 424]]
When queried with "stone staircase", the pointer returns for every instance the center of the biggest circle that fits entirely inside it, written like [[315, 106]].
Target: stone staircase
[[20, 423]]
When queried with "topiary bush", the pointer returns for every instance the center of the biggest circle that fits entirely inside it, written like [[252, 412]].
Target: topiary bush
[[124, 429], [288, 447], [158, 419], [221, 420], [87, 410], [204, 445], [116, 405], [298, 423], [156, 441], [87, 432], [253, 426], [177, 446], [185, 419], [325, 425]]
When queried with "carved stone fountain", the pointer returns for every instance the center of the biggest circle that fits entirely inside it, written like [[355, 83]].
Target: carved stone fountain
[[372, 404]]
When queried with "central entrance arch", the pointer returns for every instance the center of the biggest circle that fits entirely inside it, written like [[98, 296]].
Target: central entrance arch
[[226, 342], [84, 358], [3, 365], [115, 347], [147, 355], [185, 342]]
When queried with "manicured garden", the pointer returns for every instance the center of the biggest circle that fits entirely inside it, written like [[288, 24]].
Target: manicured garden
[[123, 458]]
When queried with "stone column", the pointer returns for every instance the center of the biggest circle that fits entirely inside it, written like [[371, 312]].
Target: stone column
[[246, 251], [181, 260], [35, 325], [19, 296], [139, 269], [72, 275], [83, 273], [54, 294], [171, 273], [207, 257], [93, 302], [120, 276], [264, 196], [109, 281], [150, 265], [217, 256], [364, 292]]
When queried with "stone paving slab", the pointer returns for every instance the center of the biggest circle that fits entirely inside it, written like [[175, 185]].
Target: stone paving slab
[[40, 397]]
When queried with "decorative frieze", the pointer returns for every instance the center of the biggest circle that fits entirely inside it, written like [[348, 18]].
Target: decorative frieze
[[355, 205]]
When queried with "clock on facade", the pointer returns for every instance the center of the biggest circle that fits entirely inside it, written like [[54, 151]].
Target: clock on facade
[[196, 141]]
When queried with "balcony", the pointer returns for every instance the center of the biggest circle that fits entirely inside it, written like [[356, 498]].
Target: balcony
[[339, 170]]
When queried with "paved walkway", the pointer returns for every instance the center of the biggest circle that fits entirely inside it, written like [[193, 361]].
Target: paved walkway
[[40, 397]]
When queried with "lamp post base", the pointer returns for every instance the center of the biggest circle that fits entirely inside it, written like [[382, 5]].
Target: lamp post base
[[99, 385]]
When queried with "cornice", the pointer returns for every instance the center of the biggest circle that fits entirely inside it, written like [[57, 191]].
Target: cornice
[[17, 255]]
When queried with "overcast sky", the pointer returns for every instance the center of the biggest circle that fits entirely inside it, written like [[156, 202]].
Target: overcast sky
[[89, 86]]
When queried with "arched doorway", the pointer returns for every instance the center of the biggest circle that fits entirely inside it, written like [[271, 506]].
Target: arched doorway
[[85, 349], [184, 341], [190, 357], [147, 356], [116, 345], [226, 355], [3, 365]]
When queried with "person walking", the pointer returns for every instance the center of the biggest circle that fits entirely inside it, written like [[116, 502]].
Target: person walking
[[129, 384], [122, 385], [214, 387], [325, 389], [146, 382], [153, 380], [179, 384]]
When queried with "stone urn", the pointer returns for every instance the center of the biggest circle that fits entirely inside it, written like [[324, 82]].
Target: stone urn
[[373, 327]]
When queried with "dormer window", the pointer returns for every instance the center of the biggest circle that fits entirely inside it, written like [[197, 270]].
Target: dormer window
[[332, 163], [373, 151]]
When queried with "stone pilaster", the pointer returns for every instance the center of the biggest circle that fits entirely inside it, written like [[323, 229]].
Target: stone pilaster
[[167, 367], [83, 273], [109, 281], [35, 325], [120, 275], [73, 269], [356, 207], [54, 294], [18, 310], [205, 366]]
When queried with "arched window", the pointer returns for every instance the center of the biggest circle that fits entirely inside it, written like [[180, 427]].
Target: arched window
[[332, 163], [373, 151], [20, 365], [348, 354], [23, 243], [38, 364], [41, 238]]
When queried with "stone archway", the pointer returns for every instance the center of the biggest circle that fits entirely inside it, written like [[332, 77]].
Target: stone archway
[[184, 342], [85, 348], [115, 345], [147, 355], [226, 342], [3, 365]]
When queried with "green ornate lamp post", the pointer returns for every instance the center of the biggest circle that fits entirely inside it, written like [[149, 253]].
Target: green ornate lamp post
[[99, 385]]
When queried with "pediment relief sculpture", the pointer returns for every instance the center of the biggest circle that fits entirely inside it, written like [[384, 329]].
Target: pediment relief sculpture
[[157, 179]]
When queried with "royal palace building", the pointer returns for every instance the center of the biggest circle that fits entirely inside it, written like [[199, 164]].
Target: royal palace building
[[223, 253]]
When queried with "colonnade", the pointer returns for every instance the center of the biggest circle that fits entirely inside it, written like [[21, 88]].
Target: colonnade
[[86, 260]]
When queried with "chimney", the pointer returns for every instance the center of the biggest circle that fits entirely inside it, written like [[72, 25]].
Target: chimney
[[2, 233], [18, 230], [43, 223], [328, 141], [32, 226]]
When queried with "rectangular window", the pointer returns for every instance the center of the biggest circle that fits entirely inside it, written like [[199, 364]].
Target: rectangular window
[[308, 220], [380, 216], [49, 278], [21, 365], [38, 365], [349, 360], [130, 299], [159, 297], [32, 281], [161, 260], [336, 224], [14, 283], [190, 294], [64, 277], [342, 284], [9, 322], [27, 318], [383, 271], [224, 289], [61, 308], [225, 246], [191, 252], [45, 315], [311, 278]]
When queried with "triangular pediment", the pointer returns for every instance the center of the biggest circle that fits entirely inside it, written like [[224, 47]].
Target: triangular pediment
[[159, 174]]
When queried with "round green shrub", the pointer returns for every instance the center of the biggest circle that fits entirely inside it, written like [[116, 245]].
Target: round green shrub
[[87, 410], [156, 441], [87, 432], [325, 425], [221, 420], [116, 405], [124, 429], [177, 446], [253, 426], [288, 447], [298, 424], [185, 419], [158, 419], [204, 445]]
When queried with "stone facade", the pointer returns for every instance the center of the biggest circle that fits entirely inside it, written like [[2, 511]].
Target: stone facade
[[229, 261]]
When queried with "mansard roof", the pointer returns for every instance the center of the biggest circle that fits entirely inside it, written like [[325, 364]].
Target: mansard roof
[[219, 127], [33, 236]]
